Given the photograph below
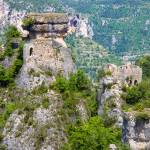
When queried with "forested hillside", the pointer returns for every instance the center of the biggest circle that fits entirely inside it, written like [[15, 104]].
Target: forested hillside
[[120, 26]]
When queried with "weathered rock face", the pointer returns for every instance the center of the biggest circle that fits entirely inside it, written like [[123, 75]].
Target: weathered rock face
[[136, 132], [80, 26], [48, 25], [109, 95], [46, 54], [44, 132]]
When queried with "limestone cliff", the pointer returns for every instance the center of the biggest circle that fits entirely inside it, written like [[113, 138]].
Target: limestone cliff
[[45, 53], [136, 131], [37, 126], [135, 125]]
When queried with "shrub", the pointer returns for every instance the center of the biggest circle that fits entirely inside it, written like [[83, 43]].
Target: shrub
[[28, 21], [92, 135], [11, 32], [61, 84], [7, 75], [45, 102], [102, 73], [133, 95], [49, 73], [144, 63], [40, 89], [142, 116], [82, 81], [109, 121], [40, 136], [139, 107]]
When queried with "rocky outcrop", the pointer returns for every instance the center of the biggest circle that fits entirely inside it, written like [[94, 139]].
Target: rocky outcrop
[[81, 26], [47, 25], [4, 12], [136, 131], [42, 129], [45, 54], [109, 97]]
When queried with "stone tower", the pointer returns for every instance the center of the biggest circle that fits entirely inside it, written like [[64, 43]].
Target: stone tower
[[45, 53]]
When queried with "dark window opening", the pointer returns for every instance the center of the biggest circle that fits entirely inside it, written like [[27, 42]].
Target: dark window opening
[[130, 82], [31, 51], [15, 45], [135, 82]]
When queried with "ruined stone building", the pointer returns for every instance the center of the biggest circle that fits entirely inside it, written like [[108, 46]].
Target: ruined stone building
[[128, 73], [45, 51]]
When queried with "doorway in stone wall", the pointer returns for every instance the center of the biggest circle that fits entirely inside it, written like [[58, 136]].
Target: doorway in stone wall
[[31, 51], [135, 82]]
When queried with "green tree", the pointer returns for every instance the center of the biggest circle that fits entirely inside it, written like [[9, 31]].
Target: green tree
[[144, 63], [93, 135], [11, 32]]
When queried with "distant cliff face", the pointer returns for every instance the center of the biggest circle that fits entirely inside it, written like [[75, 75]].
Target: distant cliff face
[[45, 53], [136, 131], [10, 16]]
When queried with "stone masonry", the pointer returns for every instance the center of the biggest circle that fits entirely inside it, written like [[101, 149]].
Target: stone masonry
[[129, 73], [45, 52]]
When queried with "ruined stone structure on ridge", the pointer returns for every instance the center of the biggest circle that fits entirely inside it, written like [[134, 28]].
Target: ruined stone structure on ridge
[[129, 73], [45, 49]]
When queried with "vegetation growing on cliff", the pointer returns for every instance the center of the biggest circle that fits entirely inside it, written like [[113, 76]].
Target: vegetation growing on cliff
[[77, 88], [8, 74], [137, 98], [94, 135], [28, 21], [144, 63]]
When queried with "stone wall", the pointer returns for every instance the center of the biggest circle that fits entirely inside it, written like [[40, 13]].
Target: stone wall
[[128, 73], [45, 54]]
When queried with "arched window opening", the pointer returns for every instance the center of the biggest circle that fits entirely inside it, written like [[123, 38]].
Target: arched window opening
[[135, 82], [130, 82], [31, 51]]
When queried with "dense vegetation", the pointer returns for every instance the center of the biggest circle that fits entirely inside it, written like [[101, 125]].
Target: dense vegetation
[[137, 98], [120, 26], [89, 55], [144, 63], [12, 50], [78, 87], [94, 133], [35, 5]]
